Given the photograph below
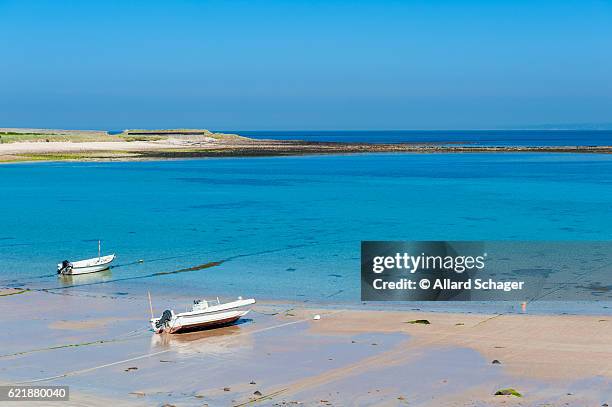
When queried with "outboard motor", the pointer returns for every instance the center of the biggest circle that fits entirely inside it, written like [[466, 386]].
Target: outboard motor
[[165, 318], [66, 267]]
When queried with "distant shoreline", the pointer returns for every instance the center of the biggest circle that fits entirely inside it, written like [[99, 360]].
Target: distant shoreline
[[19, 145]]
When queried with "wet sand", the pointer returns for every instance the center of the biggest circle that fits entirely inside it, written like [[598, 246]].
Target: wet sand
[[101, 347]]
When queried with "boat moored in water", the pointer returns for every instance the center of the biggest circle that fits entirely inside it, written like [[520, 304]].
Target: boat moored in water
[[92, 265], [203, 315], [85, 266]]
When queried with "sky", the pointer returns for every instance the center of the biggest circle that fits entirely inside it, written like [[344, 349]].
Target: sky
[[304, 65]]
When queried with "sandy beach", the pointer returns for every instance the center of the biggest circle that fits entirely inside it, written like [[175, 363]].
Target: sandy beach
[[279, 355]]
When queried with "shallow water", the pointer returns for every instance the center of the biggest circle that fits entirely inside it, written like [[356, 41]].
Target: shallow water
[[284, 228]]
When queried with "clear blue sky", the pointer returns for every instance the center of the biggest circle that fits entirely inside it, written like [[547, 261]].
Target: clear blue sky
[[304, 64]]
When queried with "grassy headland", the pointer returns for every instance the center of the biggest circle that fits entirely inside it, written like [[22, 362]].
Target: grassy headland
[[16, 135]]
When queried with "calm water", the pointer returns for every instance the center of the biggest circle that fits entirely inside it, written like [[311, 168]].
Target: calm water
[[286, 228], [473, 137]]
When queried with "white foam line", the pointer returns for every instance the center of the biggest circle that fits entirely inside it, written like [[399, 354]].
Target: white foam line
[[148, 355]]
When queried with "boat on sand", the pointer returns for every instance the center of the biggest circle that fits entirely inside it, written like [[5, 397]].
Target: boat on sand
[[203, 315]]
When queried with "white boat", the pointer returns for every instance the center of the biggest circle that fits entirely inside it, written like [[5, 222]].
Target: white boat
[[85, 266], [203, 315]]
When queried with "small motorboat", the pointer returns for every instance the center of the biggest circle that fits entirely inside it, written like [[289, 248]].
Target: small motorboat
[[85, 266], [203, 315]]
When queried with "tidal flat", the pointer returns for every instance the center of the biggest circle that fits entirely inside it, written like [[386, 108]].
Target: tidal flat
[[280, 355]]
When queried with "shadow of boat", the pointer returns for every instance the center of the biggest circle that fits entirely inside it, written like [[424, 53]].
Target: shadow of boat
[[215, 341]]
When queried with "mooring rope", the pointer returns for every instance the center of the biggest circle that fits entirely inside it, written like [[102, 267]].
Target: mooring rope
[[124, 337]]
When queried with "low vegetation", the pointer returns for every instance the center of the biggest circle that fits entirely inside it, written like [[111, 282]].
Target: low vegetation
[[419, 321], [186, 133], [13, 137], [508, 392], [81, 136]]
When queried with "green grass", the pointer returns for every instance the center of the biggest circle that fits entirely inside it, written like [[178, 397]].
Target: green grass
[[140, 138], [81, 137], [10, 137], [187, 132], [225, 136]]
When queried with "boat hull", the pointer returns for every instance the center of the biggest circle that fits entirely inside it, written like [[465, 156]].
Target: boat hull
[[183, 323], [86, 266], [214, 317], [87, 270], [204, 325]]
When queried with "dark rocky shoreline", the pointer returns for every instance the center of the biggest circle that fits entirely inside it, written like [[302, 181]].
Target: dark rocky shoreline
[[222, 145], [267, 148]]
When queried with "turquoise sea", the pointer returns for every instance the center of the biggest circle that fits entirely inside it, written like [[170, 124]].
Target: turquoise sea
[[284, 228]]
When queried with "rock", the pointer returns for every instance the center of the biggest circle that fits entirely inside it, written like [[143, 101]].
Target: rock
[[496, 362], [419, 321], [508, 392], [257, 393]]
